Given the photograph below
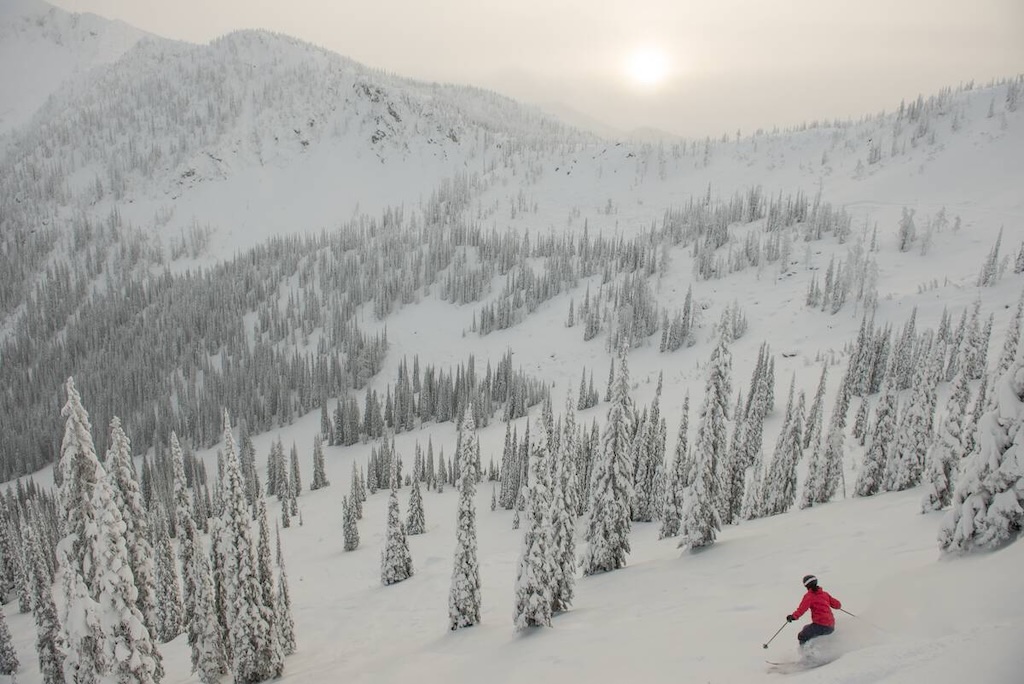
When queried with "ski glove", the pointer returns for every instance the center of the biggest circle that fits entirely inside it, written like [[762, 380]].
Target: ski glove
[[790, 618]]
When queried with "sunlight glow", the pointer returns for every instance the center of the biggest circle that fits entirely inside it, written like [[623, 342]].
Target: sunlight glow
[[648, 66]]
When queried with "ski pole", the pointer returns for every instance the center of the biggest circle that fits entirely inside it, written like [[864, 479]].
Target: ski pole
[[765, 645], [867, 622]]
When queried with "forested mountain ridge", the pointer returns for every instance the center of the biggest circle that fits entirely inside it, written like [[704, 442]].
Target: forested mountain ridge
[[42, 47]]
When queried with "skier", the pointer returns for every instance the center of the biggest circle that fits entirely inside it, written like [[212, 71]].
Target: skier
[[821, 604]]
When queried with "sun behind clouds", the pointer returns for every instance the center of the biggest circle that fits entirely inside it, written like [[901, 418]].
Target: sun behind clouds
[[647, 66]]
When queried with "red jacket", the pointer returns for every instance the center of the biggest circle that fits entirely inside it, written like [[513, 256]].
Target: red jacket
[[821, 604]]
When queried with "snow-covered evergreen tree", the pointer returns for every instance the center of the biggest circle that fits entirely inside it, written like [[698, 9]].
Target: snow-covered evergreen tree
[[826, 467], [319, 474], [870, 477], [275, 468], [535, 576], [82, 638], [208, 659], [1012, 340], [571, 451], [988, 504], [128, 496], [249, 632], [860, 424], [704, 500], [464, 595], [48, 631], [295, 479], [283, 605], [416, 522], [711, 445], [642, 504], [356, 494], [816, 415], [914, 434], [187, 535], [753, 498], [129, 655], [563, 522], [270, 655], [948, 451], [350, 530], [678, 479], [8, 657], [608, 524], [168, 583], [735, 469], [396, 561], [780, 481]]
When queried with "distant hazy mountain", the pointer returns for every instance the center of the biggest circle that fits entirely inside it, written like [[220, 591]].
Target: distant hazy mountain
[[253, 127], [42, 46]]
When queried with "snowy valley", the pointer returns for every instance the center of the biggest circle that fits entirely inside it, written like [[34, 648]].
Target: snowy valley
[[820, 327]]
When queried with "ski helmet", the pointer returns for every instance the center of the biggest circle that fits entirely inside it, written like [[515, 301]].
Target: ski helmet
[[810, 581]]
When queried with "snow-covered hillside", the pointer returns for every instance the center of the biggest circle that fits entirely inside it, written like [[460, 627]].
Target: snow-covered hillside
[[42, 47], [263, 226]]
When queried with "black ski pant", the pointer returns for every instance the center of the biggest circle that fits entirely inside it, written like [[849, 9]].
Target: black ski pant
[[813, 630]]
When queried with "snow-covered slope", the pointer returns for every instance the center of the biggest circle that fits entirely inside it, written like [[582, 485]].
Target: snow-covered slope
[[41, 47]]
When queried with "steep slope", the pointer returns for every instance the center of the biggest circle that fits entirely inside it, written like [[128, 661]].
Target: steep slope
[[42, 47]]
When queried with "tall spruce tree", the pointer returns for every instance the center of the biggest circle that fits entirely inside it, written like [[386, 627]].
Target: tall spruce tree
[[270, 654], [128, 654], [644, 472], [77, 553], [350, 531], [735, 469], [319, 474], [678, 479], [711, 445], [780, 481], [464, 595], [283, 604], [608, 525], [208, 658], [8, 656], [753, 497], [1012, 340], [416, 522], [396, 561], [535, 575], [168, 583], [128, 496], [48, 631], [870, 477], [948, 451], [295, 478], [187, 536], [826, 468], [914, 434], [247, 629], [563, 521]]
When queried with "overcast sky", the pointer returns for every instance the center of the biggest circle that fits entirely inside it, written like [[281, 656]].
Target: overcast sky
[[686, 67]]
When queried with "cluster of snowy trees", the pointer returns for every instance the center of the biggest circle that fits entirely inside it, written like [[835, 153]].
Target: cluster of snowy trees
[[987, 507], [124, 586], [433, 395], [901, 440]]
